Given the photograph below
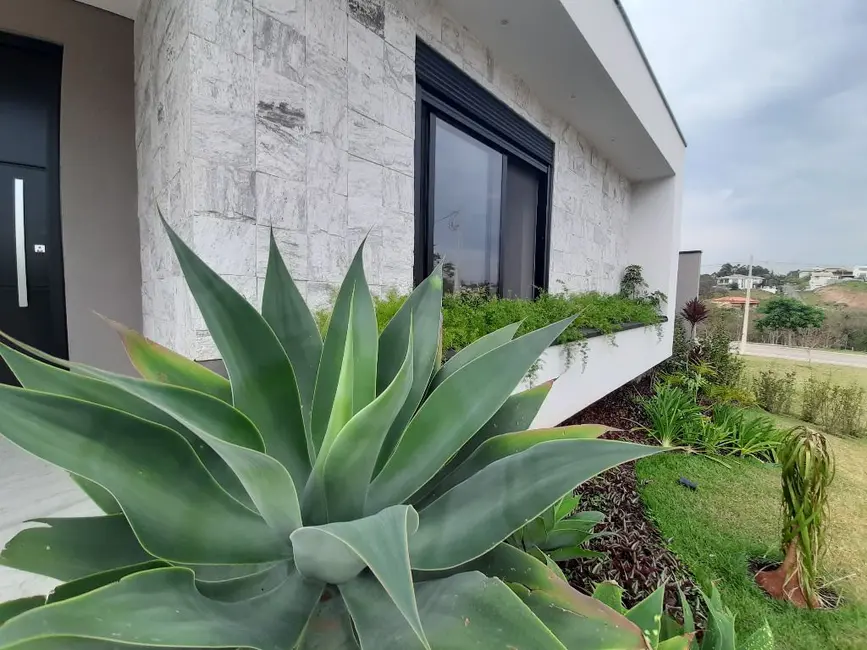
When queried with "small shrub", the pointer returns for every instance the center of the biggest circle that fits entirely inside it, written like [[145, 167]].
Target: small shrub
[[714, 348], [814, 398], [673, 414], [710, 437], [735, 395], [844, 413], [774, 391]]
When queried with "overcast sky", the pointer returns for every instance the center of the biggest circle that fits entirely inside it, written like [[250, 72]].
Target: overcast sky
[[772, 98]]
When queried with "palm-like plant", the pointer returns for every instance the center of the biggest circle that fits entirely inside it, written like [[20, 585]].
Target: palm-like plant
[[342, 494], [807, 465], [694, 312]]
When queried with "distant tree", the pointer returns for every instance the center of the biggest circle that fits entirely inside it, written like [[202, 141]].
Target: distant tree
[[694, 312], [789, 316], [706, 284], [725, 269]]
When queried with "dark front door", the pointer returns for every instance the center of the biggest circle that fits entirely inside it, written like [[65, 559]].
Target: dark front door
[[32, 305]]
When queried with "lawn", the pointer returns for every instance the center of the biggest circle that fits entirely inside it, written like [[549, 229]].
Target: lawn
[[839, 374], [734, 515]]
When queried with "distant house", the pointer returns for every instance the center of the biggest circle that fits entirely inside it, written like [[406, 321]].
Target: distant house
[[860, 272], [824, 276], [743, 281]]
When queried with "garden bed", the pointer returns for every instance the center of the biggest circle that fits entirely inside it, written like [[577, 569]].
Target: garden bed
[[638, 557]]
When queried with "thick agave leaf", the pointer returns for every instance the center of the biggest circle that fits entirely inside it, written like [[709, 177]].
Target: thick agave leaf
[[456, 410], [516, 567], [353, 325], [163, 608], [90, 583], [69, 549], [476, 515], [516, 414], [337, 553], [720, 632], [234, 437], [330, 628], [173, 504], [285, 311], [647, 615], [474, 351], [509, 444], [421, 312], [248, 586], [157, 363], [98, 494], [263, 381], [467, 610], [577, 632], [348, 469], [13, 608], [86, 384]]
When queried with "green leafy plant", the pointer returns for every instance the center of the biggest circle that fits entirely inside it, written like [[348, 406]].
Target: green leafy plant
[[774, 391], [560, 533], [471, 315], [735, 395], [694, 379], [750, 435], [714, 348], [709, 437], [662, 632], [807, 472], [340, 493], [673, 413]]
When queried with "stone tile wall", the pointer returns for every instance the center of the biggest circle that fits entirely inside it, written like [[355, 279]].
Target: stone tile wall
[[299, 115]]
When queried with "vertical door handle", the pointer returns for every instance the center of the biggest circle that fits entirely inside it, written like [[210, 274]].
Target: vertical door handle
[[20, 245]]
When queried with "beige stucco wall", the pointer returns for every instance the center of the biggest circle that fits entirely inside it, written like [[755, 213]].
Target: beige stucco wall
[[97, 168]]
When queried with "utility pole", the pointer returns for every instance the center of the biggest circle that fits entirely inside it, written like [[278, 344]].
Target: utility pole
[[743, 348]]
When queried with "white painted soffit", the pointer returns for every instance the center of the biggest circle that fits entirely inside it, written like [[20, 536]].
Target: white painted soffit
[[582, 61], [126, 8]]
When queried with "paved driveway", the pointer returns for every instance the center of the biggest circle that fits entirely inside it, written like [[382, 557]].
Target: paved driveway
[[807, 355], [30, 489]]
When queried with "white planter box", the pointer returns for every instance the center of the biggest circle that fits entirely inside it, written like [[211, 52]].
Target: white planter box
[[611, 362]]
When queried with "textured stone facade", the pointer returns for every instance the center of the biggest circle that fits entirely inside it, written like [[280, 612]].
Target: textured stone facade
[[299, 115]]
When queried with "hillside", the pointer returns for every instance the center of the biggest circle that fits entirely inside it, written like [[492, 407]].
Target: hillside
[[847, 294]]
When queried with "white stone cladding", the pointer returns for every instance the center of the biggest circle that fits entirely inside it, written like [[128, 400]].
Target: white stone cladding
[[299, 115]]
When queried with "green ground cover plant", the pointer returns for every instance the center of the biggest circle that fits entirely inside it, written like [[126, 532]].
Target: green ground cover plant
[[468, 316]]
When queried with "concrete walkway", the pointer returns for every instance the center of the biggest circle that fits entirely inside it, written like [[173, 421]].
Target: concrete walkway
[[853, 359]]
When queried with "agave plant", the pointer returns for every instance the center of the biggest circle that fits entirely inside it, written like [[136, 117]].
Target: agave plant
[[665, 633], [560, 533], [341, 493]]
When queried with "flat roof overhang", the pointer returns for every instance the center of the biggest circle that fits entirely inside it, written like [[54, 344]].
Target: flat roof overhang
[[583, 62]]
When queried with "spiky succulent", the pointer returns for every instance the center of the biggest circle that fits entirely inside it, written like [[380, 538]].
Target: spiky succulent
[[336, 494]]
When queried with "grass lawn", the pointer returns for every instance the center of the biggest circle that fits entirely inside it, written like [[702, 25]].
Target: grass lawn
[[839, 374], [734, 515]]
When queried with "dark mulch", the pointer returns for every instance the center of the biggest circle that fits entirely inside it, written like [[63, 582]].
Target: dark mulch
[[638, 559]]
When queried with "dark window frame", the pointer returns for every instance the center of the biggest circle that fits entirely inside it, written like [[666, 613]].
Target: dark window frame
[[445, 91]]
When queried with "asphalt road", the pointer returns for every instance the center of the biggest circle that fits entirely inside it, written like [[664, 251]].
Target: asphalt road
[[853, 359]]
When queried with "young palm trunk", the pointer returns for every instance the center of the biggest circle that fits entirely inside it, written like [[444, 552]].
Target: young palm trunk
[[785, 582]]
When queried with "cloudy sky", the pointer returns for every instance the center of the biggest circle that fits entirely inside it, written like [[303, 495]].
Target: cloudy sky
[[772, 98]]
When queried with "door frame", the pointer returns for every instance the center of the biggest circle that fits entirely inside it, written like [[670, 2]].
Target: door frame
[[57, 291]]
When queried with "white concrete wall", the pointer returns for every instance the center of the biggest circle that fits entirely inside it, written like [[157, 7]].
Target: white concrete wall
[[301, 117], [611, 361]]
